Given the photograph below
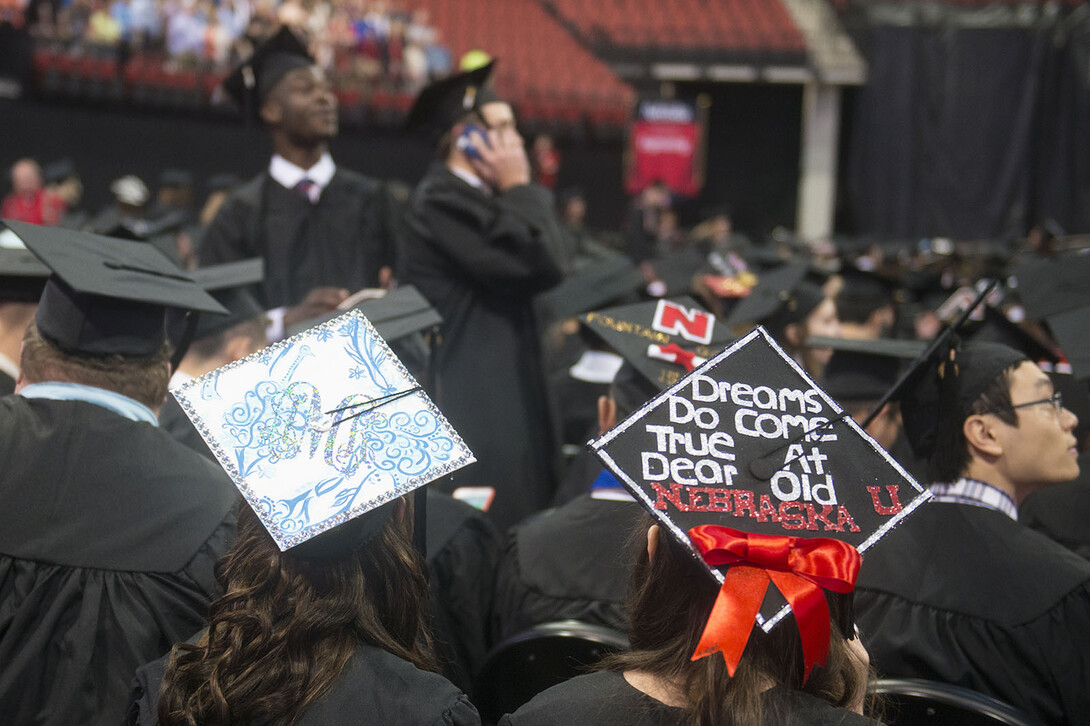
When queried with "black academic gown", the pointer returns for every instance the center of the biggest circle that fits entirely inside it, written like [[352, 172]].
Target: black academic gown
[[108, 537], [479, 260], [342, 241], [965, 595], [1061, 511], [173, 420], [463, 553], [7, 384], [571, 562], [606, 699], [375, 687]]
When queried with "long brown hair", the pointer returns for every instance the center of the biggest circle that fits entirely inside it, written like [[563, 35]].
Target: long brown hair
[[670, 601], [286, 626]]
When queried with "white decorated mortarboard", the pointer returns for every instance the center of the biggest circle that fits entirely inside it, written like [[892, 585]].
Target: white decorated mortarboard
[[320, 431], [765, 479]]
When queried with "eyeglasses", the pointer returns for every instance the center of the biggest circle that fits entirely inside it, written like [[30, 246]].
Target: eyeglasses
[[1055, 400]]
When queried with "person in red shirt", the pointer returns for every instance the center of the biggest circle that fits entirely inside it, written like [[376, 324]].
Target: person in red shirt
[[29, 201]]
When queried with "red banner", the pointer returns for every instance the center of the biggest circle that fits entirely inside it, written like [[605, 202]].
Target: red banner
[[665, 151]]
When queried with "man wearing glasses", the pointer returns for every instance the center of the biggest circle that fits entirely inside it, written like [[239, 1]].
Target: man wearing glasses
[[961, 592]]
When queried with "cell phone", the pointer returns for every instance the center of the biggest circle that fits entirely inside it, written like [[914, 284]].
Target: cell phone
[[465, 141]]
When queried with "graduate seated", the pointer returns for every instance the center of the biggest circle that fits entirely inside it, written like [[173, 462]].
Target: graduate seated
[[322, 617], [740, 607], [961, 592], [110, 529]]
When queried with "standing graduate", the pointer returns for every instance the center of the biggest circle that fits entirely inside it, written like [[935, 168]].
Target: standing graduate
[[321, 229], [481, 242], [110, 529]]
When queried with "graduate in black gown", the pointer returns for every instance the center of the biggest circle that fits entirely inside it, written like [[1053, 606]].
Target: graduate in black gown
[[21, 280], [322, 230], [481, 241], [110, 529], [962, 592]]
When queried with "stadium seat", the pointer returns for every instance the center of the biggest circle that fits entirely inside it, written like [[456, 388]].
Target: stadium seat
[[915, 702], [527, 663]]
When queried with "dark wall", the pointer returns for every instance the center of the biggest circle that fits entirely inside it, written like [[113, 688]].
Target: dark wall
[[106, 144]]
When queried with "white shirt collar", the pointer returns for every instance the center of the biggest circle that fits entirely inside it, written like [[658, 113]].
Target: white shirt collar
[[471, 179], [288, 174], [7, 365], [976, 493]]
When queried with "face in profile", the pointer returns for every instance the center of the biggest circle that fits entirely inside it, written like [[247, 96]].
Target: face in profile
[[1041, 449], [302, 105], [501, 118]]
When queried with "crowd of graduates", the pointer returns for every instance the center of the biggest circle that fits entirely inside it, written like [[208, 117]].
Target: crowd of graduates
[[134, 580]]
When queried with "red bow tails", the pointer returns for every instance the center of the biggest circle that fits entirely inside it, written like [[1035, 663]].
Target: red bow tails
[[799, 567]]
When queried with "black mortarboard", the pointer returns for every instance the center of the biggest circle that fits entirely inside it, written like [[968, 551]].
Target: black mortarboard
[[753, 468], [321, 433], [862, 293], [596, 286], [230, 284], [782, 296], [22, 276], [940, 395], [677, 270], [107, 296], [1056, 291], [863, 370], [57, 171], [250, 82], [396, 314], [439, 106], [175, 178], [661, 339]]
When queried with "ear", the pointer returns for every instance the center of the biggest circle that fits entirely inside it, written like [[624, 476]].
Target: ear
[[271, 113], [793, 333], [652, 541], [980, 434], [607, 413]]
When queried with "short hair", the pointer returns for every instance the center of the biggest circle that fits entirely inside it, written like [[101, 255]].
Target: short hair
[[950, 457], [142, 379], [212, 345]]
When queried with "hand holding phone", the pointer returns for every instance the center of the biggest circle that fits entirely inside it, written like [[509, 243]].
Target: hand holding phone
[[465, 141]]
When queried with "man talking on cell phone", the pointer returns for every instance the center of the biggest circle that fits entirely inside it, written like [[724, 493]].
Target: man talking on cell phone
[[481, 242]]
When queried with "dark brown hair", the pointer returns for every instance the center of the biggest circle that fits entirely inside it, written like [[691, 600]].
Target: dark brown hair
[[142, 379], [286, 626], [671, 598], [950, 457]]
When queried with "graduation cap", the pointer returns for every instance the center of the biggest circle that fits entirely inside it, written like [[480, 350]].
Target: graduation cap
[[596, 286], [760, 474], [321, 432], [58, 171], [1056, 291], [229, 284], [782, 296], [396, 314], [439, 106], [863, 292], [661, 339], [863, 370], [251, 81], [107, 296], [22, 276]]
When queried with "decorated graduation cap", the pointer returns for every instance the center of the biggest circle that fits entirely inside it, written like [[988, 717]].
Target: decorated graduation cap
[[663, 339], [22, 276], [764, 478], [321, 433], [782, 296], [439, 106], [230, 285], [250, 82], [107, 296]]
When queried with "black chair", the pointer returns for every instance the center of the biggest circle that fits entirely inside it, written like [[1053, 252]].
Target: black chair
[[917, 702], [526, 664]]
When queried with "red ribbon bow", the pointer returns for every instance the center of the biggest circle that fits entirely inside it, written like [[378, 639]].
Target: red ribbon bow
[[799, 567]]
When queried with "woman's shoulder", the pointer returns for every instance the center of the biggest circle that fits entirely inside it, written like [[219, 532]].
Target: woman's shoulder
[[390, 690], [604, 698], [796, 707]]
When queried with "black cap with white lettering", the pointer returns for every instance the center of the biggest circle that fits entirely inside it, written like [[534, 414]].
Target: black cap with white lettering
[[689, 456]]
